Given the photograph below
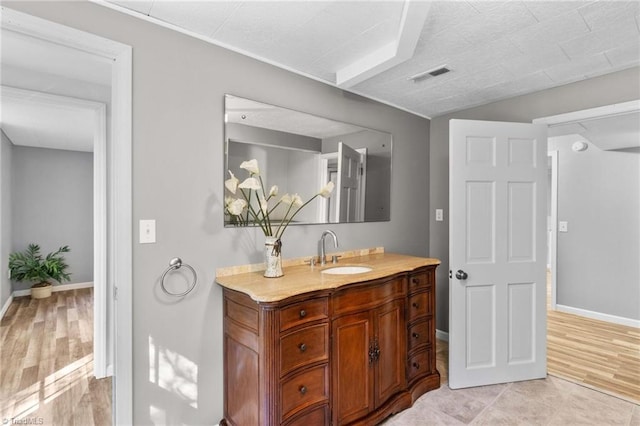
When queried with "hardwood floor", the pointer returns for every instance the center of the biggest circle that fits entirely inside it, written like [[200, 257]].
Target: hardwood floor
[[596, 354], [46, 359]]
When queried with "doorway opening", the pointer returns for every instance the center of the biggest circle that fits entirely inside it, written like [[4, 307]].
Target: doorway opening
[[112, 304]]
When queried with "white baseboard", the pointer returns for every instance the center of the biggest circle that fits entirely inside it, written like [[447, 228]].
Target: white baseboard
[[442, 335], [6, 306], [599, 316], [61, 287]]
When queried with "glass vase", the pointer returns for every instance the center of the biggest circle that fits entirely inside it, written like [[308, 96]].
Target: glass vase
[[273, 257]]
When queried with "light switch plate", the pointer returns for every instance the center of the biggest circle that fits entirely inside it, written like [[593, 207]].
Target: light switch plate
[[563, 226], [147, 231], [439, 215]]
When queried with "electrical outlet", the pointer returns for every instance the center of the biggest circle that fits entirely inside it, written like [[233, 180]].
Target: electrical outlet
[[563, 226], [439, 215]]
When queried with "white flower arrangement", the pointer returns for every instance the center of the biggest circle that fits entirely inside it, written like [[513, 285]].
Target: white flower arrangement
[[243, 213]]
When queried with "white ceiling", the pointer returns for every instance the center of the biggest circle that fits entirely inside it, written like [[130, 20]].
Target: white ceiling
[[495, 50], [42, 121], [616, 131]]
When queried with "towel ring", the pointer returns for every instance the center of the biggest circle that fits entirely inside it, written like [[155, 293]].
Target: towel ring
[[174, 264]]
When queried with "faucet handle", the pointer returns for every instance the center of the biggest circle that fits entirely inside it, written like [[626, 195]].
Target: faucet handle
[[334, 258], [312, 261]]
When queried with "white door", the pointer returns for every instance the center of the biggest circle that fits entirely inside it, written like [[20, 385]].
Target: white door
[[497, 316], [348, 166]]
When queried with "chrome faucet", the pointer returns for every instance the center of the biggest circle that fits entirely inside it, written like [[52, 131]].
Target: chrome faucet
[[323, 257]]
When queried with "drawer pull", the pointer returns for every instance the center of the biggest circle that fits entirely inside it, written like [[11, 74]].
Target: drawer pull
[[303, 313], [415, 305], [415, 335], [303, 389], [416, 366], [302, 347], [416, 281]]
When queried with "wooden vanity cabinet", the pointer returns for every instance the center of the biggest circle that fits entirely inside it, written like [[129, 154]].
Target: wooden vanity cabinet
[[351, 355]]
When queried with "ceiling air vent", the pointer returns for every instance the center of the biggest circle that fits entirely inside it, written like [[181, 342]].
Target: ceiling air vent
[[442, 69]]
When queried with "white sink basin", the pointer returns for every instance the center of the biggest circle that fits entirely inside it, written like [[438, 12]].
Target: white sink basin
[[346, 270]]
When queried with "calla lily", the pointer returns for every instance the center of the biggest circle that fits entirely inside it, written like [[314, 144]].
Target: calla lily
[[326, 190], [228, 200], [251, 166], [273, 191], [286, 199], [232, 183], [236, 206], [296, 201], [250, 183]]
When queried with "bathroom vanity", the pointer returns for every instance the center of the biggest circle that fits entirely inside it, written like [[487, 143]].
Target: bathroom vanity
[[315, 348]]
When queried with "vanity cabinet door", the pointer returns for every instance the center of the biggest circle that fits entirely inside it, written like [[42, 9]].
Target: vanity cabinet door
[[390, 339], [369, 358], [352, 392]]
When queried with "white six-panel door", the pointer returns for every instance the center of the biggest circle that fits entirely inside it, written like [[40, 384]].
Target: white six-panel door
[[348, 167], [497, 324]]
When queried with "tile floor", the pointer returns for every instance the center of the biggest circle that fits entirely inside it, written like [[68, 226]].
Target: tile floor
[[550, 401]]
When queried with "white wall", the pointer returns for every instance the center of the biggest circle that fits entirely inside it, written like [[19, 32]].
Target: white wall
[[599, 197], [617, 87], [6, 223], [178, 131], [52, 194]]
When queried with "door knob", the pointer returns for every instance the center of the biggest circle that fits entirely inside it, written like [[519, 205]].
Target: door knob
[[461, 275]]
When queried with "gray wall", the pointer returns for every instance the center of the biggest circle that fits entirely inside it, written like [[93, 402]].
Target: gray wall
[[599, 197], [178, 104], [53, 206], [609, 89], [6, 153]]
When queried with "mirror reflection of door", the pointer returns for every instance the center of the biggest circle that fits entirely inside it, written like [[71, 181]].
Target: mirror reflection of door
[[348, 171], [349, 175]]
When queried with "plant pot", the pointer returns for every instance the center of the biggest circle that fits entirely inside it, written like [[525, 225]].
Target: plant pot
[[41, 292]]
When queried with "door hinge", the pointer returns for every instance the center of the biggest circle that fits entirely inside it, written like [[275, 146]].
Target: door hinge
[[115, 293]]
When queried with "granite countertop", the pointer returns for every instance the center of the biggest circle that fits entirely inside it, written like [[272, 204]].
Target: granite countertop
[[299, 279]]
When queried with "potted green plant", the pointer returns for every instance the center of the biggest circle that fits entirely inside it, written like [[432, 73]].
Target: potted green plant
[[29, 265]]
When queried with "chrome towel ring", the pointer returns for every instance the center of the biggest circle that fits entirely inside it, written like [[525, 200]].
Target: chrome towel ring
[[174, 264]]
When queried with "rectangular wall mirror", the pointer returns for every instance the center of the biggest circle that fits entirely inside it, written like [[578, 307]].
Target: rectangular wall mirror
[[301, 152]]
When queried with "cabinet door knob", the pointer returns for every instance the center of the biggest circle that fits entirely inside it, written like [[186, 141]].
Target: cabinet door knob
[[415, 305], [302, 347], [416, 365], [303, 313], [415, 335], [303, 389]]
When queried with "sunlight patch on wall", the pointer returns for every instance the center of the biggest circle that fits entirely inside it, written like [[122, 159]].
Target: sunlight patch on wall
[[173, 372]]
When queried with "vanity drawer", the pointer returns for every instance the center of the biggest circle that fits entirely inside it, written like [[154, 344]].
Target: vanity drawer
[[303, 312], [420, 334], [316, 417], [420, 304], [303, 390], [419, 364], [421, 280], [302, 347]]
